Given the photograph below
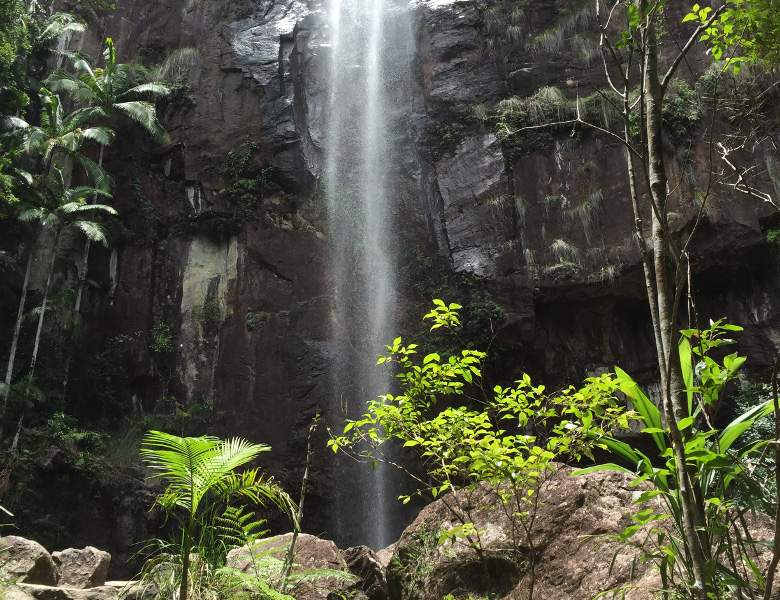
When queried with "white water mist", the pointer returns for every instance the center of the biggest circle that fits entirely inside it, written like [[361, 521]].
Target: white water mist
[[370, 52]]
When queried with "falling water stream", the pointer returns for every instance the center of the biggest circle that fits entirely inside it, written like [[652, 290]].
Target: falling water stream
[[370, 54]]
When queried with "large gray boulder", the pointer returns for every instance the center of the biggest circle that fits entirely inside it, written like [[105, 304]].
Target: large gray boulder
[[311, 553], [85, 568], [14, 592], [45, 592], [566, 565], [26, 561]]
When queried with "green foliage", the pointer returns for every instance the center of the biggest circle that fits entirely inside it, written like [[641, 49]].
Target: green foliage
[[463, 448], [26, 37], [439, 139], [423, 277], [681, 113], [246, 193], [418, 557], [233, 166], [175, 72], [112, 89], [162, 339], [209, 315], [719, 461], [180, 100], [255, 320], [15, 43], [745, 32], [762, 466], [202, 482], [517, 142]]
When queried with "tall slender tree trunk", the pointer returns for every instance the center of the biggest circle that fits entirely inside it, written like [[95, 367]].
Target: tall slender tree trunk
[[673, 393], [79, 292], [17, 327], [43, 311]]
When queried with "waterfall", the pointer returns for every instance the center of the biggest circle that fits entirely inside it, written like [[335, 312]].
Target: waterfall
[[370, 50]]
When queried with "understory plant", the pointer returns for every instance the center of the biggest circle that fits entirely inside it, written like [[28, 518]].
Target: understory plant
[[504, 438], [720, 467], [207, 497]]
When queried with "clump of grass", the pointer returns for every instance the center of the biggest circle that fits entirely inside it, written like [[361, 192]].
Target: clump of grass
[[510, 105], [548, 42], [586, 212], [587, 48], [553, 40], [479, 112], [564, 252], [529, 256], [551, 201], [547, 105], [521, 207]]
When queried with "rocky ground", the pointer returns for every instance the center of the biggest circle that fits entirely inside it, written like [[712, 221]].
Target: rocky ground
[[573, 556]]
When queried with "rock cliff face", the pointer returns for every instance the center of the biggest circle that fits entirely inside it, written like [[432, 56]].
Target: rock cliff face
[[241, 275]]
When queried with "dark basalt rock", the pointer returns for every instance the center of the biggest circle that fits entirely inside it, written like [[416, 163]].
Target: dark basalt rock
[[364, 564], [479, 208]]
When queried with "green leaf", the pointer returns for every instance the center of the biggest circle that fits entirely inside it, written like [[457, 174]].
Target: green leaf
[[685, 423], [603, 467], [642, 404], [687, 370]]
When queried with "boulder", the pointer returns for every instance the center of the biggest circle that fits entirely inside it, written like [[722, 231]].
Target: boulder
[[45, 592], [134, 590], [364, 564], [385, 555], [14, 592], [566, 565], [26, 561], [311, 553], [85, 568]]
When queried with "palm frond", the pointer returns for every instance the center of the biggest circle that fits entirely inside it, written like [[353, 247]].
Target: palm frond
[[154, 88], [195, 465], [62, 81], [144, 114], [59, 24], [83, 64], [30, 214], [85, 94], [98, 207], [10, 123], [99, 176], [102, 135], [95, 232], [80, 116], [50, 220], [85, 191]]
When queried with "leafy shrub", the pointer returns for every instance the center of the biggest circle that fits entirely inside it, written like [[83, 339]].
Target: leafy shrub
[[162, 339]]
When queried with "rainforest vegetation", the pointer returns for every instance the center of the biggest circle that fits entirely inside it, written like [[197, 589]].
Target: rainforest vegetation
[[702, 478]]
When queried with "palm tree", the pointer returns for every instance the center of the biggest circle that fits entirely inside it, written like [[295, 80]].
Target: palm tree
[[112, 90], [59, 137], [63, 208], [194, 467]]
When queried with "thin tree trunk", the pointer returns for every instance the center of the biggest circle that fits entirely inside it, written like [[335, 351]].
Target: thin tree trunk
[[79, 292], [674, 392], [289, 559], [17, 327], [83, 270], [43, 311], [770, 572], [185, 558]]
